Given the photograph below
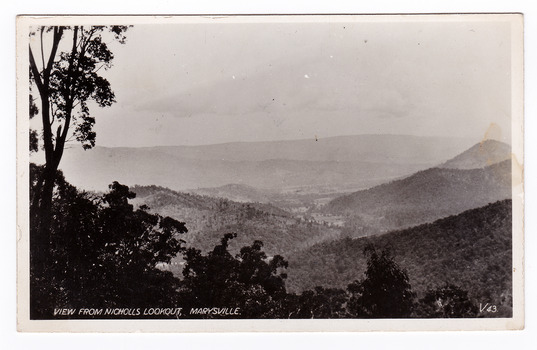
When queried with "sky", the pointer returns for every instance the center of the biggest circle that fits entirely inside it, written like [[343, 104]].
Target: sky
[[219, 81]]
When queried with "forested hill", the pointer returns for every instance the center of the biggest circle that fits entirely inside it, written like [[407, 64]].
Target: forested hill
[[472, 250], [160, 197], [207, 219], [485, 153], [236, 192], [423, 197]]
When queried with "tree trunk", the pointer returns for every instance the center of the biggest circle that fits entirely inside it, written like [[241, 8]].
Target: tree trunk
[[40, 245], [41, 262], [41, 239]]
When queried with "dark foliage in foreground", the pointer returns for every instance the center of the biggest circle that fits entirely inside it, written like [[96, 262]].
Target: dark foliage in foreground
[[106, 255], [67, 84], [248, 281], [447, 302], [255, 284], [385, 292]]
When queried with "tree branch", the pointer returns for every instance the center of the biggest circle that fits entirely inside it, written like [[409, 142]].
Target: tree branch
[[58, 32], [58, 132], [82, 37], [53, 116], [70, 139], [98, 69], [60, 142], [35, 71], [42, 51], [92, 31], [45, 105], [69, 99]]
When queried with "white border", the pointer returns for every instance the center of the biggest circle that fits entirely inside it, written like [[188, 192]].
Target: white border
[[275, 325]]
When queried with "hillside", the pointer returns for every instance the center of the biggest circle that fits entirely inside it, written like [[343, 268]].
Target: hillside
[[208, 219], [357, 161], [423, 197], [472, 250], [483, 154], [235, 192]]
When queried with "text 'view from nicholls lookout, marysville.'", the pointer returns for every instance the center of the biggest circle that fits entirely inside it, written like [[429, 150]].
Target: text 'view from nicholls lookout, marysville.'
[[284, 167]]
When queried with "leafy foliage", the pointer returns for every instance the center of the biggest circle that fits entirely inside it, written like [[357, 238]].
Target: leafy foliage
[[104, 253], [70, 79], [248, 281], [255, 284], [34, 110], [385, 291], [448, 301], [318, 303], [67, 78]]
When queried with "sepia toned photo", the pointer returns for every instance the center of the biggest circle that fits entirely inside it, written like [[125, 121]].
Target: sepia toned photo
[[270, 173]]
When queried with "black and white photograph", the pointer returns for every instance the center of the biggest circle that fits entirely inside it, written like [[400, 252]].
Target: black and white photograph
[[328, 172]]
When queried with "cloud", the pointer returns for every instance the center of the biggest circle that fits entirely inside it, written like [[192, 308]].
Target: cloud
[[282, 89], [269, 77]]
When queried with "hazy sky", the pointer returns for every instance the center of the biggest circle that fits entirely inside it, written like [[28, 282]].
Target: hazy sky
[[188, 84]]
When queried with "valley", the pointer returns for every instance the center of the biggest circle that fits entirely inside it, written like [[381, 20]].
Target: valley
[[445, 217]]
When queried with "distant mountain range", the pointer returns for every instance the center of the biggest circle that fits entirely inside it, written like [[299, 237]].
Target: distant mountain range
[[395, 149], [336, 163], [429, 194], [471, 250]]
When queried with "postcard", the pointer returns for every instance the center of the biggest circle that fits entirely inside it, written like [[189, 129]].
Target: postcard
[[270, 173]]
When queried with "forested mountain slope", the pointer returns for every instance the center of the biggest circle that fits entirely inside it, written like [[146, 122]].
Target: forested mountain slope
[[483, 154], [423, 197], [472, 250], [207, 219]]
